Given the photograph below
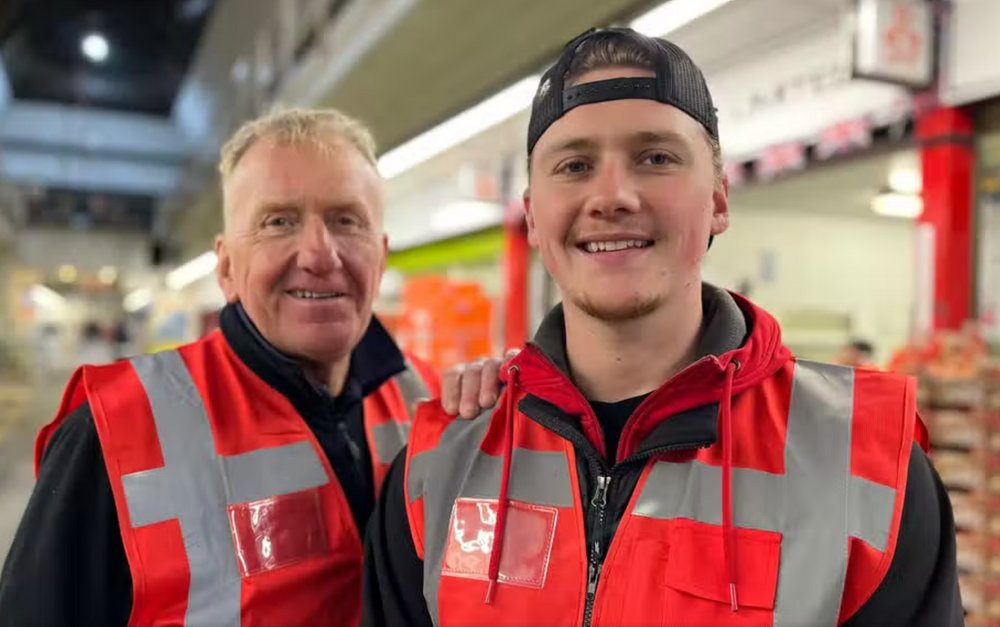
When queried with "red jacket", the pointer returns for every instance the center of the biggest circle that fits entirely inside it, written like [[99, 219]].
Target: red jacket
[[789, 517], [228, 508]]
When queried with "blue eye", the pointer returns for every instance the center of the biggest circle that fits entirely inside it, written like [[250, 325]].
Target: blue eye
[[278, 222], [574, 166], [658, 158]]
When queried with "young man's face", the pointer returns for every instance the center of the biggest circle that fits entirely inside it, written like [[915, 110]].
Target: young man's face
[[303, 249], [621, 202]]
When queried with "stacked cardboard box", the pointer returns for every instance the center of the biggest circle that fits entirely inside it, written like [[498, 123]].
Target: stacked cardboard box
[[963, 415]]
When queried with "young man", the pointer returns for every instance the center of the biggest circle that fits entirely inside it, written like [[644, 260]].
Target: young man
[[658, 456], [231, 480]]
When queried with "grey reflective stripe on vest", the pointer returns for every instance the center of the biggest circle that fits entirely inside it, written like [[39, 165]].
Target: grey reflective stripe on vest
[[412, 388], [391, 436], [195, 485], [817, 505], [457, 468]]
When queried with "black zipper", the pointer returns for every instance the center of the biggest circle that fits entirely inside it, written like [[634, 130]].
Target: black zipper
[[603, 476], [598, 507], [599, 470], [599, 502], [352, 446]]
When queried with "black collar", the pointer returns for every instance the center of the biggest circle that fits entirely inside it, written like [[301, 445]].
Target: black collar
[[724, 328], [374, 361]]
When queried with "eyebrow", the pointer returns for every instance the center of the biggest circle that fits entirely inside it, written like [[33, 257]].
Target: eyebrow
[[274, 206], [571, 145], [658, 137], [575, 144]]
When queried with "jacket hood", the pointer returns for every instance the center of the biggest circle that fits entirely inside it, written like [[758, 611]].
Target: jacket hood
[[734, 331]]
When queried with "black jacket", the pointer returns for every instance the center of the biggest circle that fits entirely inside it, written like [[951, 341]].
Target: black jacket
[[67, 565], [921, 587]]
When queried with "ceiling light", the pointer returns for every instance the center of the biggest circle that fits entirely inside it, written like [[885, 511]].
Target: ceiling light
[[199, 267], [905, 180], [67, 274], [516, 98], [452, 220], [138, 299], [896, 205], [95, 47], [107, 275], [465, 216], [469, 123], [46, 297], [672, 15]]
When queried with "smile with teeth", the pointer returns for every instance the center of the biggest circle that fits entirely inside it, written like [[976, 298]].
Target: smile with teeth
[[610, 246], [307, 295]]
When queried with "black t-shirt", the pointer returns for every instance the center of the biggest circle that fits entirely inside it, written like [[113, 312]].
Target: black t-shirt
[[613, 417]]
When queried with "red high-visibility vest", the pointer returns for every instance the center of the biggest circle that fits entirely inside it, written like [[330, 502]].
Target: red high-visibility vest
[[229, 511], [819, 465]]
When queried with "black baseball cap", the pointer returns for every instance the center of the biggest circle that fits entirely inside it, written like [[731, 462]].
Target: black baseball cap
[[678, 82]]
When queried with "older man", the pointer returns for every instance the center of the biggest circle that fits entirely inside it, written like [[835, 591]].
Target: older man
[[229, 481]]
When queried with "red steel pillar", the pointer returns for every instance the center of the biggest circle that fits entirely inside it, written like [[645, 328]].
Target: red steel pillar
[[517, 261], [947, 158]]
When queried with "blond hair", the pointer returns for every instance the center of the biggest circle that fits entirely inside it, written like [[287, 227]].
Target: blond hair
[[320, 127]]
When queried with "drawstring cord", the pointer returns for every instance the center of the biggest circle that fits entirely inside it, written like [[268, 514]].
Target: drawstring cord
[[728, 529], [493, 573]]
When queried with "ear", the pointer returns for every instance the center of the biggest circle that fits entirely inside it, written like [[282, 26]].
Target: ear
[[385, 256], [720, 207], [529, 217], [224, 270]]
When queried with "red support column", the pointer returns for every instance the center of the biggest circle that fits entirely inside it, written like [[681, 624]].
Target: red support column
[[947, 157], [517, 260]]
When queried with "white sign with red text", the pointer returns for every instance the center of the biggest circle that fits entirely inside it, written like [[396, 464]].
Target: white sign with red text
[[795, 92]]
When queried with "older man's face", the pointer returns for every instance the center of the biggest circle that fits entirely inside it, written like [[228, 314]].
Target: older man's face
[[303, 249]]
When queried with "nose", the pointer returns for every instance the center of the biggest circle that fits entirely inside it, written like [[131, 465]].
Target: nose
[[613, 191], [318, 249]]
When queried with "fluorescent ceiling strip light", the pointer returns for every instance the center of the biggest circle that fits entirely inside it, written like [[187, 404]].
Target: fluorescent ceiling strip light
[[673, 15], [137, 299], [896, 205], [660, 21], [46, 297], [469, 123], [905, 181], [465, 216], [199, 267]]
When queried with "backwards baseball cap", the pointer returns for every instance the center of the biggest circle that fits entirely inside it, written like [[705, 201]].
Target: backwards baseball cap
[[678, 82]]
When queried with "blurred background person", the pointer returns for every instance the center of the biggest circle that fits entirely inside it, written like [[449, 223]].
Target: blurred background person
[[95, 346], [121, 339], [49, 349], [856, 354]]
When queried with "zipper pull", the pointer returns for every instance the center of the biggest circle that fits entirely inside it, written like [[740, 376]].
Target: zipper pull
[[593, 574], [600, 499], [351, 444]]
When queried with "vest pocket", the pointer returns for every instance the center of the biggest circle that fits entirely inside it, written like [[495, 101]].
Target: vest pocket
[[278, 531], [696, 588], [528, 541]]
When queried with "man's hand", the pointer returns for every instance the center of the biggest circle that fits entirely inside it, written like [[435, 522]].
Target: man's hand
[[468, 389]]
